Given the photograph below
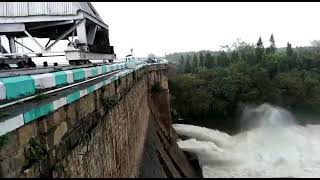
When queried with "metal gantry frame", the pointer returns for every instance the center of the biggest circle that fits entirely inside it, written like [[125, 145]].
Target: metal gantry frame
[[47, 47], [82, 24], [71, 29]]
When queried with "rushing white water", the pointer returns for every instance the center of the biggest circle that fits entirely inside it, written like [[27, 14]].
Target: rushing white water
[[274, 146]]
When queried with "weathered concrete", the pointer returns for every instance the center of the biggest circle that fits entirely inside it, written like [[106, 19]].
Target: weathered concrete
[[120, 130]]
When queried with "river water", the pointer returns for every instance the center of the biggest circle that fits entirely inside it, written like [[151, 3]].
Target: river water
[[271, 144]]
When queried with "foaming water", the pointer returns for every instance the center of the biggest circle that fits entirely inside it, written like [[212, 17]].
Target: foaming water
[[273, 147]]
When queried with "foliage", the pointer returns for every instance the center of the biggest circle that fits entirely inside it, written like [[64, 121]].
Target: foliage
[[195, 64], [4, 140], [259, 50], [156, 87], [188, 67], [218, 83], [272, 48], [34, 152], [109, 101]]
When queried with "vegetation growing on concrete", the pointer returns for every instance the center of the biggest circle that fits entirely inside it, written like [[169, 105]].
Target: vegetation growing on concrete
[[156, 87], [61, 170], [134, 76], [4, 140], [34, 152], [109, 101]]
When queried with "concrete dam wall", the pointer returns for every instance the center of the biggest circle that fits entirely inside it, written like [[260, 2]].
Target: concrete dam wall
[[121, 129]]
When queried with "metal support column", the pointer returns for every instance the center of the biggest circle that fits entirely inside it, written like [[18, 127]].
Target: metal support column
[[91, 34], [82, 33], [12, 44]]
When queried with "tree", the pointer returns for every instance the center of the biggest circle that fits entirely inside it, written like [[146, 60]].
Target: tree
[[315, 43], [259, 50], [181, 64], [289, 50], [202, 60], [187, 67], [234, 56], [222, 59], [209, 61], [290, 78], [292, 57], [151, 56], [195, 63], [272, 48], [181, 60]]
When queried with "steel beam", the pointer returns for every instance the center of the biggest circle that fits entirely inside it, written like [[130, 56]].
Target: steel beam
[[2, 49], [47, 42], [50, 24], [82, 33], [16, 27], [44, 54], [23, 45], [34, 40], [29, 19], [64, 34], [12, 45], [95, 20], [80, 55], [91, 33]]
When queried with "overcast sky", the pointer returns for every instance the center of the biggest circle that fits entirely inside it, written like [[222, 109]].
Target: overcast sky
[[167, 27]]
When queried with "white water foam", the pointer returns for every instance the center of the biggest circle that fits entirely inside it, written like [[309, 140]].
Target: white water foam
[[275, 147]]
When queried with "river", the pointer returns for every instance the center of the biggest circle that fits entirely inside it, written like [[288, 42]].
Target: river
[[270, 144]]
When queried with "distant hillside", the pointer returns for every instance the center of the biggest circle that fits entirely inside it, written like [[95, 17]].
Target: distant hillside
[[173, 58]]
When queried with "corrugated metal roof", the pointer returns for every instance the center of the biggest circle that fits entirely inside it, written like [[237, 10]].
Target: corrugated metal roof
[[51, 8], [16, 9], [38, 9]]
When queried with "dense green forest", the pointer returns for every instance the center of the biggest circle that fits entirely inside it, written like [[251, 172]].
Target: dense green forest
[[218, 84]]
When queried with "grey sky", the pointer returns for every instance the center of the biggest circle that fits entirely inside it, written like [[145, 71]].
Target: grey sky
[[166, 27]]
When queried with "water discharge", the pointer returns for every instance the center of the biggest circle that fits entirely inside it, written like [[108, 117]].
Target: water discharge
[[273, 146]]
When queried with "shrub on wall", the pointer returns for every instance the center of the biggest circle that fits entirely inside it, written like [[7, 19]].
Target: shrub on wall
[[156, 87]]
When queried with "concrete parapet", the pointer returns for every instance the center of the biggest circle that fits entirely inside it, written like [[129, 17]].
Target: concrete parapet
[[22, 86]]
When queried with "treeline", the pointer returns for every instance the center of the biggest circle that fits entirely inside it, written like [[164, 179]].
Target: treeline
[[209, 84]]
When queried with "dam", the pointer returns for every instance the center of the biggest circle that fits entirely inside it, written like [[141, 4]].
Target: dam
[[118, 125], [91, 116]]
